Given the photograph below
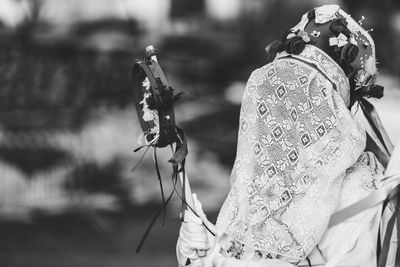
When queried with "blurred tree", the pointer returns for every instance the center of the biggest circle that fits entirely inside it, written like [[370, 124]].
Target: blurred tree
[[27, 28], [31, 160], [184, 8]]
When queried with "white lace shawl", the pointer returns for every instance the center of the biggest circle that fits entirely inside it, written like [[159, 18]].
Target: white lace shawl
[[296, 140]]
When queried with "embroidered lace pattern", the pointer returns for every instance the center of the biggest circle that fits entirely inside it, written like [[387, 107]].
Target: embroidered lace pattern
[[328, 67], [296, 140]]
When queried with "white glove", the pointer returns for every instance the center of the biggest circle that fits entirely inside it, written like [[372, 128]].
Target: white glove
[[194, 240]]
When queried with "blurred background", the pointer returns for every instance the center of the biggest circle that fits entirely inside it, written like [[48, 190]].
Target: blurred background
[[68, 126]]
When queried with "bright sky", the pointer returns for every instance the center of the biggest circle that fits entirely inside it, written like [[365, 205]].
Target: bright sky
[[151, 13], [13, 12]]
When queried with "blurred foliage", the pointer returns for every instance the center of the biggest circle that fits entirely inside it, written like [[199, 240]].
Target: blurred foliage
[[33, 159], [217, 133], [91, 177], [126, 26], [56, 85], [183, 8]]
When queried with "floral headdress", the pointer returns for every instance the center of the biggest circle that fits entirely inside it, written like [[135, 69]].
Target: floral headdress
[[336, 33]]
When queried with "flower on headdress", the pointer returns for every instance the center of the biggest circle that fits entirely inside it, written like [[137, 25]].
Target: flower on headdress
[[365, 85], [295, 45], [340, 40], [360, 77], [300, 33], [304, 36], [339, 26], [325, 13], [365, 76], [348, 55]]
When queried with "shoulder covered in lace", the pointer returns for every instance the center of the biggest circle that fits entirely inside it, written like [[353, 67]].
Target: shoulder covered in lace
[[296, 140]]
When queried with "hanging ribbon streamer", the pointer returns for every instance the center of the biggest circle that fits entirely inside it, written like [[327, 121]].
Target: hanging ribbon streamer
[[376, 124], [382, 148]]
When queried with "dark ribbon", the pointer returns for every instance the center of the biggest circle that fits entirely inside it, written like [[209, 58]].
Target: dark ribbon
[[178, 160], [160, 182], [383, 249], [162, 208], [181, 148], [376, 124], [382, 147]]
